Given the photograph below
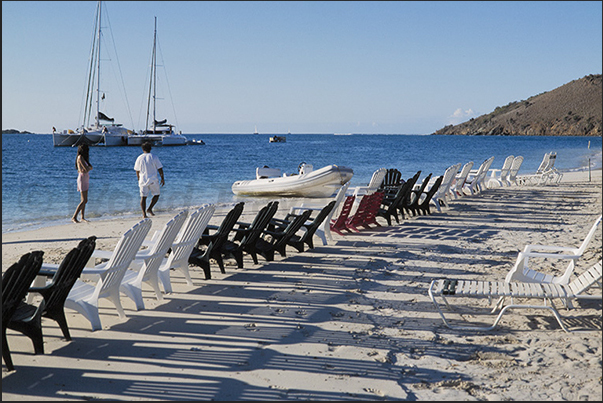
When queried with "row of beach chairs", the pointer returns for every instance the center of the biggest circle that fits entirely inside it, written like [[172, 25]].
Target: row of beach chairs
[[188, 240]]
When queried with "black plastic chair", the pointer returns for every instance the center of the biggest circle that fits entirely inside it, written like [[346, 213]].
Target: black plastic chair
[[410, 203], [15, 285], [212, 243], [306, 238], [392, 179], [275, 239], [27, 318], [424, 207], [246, 235]]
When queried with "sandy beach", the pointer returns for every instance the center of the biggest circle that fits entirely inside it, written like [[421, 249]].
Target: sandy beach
[[347, 321]]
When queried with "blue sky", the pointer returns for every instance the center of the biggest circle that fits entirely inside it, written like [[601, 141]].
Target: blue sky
[[304, 67]]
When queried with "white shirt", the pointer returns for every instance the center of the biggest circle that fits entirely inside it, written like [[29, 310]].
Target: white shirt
[[147, 164]]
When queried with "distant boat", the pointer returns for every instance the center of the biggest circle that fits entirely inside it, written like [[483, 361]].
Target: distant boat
[[343, 134], [278, 139], [158, 132], [256, 130], [322, 182], [104, 130]]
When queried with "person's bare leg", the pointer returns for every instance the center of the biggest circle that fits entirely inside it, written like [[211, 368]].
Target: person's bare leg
[[83, 203], [143, 206], [153, 202], [80, 207]]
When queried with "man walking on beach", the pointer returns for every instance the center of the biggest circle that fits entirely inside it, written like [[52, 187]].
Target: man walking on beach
[[147, 166]]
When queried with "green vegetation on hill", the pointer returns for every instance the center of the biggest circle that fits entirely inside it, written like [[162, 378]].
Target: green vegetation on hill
[[574, 109]]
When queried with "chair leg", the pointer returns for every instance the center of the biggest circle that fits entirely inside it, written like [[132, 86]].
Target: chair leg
[[58, 316], [6, 352]]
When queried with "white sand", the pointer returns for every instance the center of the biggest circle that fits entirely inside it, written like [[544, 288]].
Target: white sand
[[349, 321]]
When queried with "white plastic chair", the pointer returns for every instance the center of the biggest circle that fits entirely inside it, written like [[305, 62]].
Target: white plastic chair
[[501, 179], [183, 245], [84, 297], [456, 189], [372, 186], [443, 192], [475, 181], [512, 177], [537, 176], [145, 266]]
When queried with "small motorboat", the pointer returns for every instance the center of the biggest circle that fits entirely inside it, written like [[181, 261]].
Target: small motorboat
[[308, 182], [278, 139]]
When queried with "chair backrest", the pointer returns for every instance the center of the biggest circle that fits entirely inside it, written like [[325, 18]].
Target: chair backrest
[[189, 235], [434, 188], [586, 280], [225, 227], [504, 171], [338, 200], [392, 178], [461, 177], [321, 216], [589, 236], [376, 180], [544, 163], [68, 272], [293, 226], [409, 186], [259, 224], [447, 178], [123, 254], [517, 161], [16, 281], [344, 214], [168, 234]]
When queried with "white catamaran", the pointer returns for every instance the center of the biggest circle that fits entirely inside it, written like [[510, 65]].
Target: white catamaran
[[103, 130], [159, 132]]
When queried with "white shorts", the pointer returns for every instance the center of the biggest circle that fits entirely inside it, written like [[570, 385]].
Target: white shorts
[[152, 188]]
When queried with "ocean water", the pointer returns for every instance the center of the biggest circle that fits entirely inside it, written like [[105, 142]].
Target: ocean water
[[39, 180]]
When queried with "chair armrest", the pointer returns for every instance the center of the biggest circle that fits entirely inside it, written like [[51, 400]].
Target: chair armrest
[[101, 254], [531, 248], [549, 255]]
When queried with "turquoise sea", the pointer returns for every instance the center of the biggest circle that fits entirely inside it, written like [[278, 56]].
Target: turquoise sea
[[39, 180]]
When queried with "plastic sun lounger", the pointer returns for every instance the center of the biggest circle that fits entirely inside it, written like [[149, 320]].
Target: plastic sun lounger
[[489, 289]]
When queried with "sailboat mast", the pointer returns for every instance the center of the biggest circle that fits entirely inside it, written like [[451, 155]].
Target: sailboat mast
[[154, 75], [98, 49]]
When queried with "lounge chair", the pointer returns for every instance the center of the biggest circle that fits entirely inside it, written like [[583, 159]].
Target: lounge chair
[[15, 285], [512, 177], [338, 225], [415, 197], [183, 245], [456, 190], [423, 205], [546, 292], [84, 296], [27, 318], [324, 230], [276, 240], [310, 227], [441, 196], [539, 175], [522, 272], [209, 245], [501, 179], [246, 235], [365, 213], [475, 181], [146, 263], [373, 185]]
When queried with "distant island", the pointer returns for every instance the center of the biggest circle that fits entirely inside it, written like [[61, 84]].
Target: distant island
[[14, 131], [574, 109]]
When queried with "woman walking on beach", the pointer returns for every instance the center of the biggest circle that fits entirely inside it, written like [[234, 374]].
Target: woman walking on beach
[[83, 166]]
